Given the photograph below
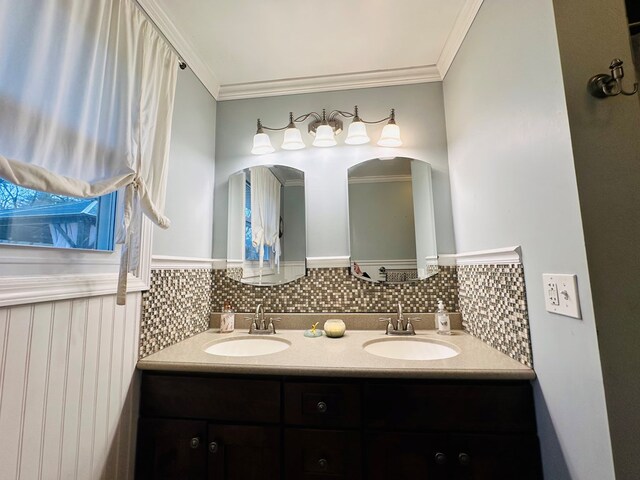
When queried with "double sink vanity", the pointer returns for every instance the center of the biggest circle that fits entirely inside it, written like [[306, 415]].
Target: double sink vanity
[[364, 406], [398, 402]]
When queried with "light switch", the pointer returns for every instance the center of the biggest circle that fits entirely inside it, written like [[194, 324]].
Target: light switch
[[561, 294]]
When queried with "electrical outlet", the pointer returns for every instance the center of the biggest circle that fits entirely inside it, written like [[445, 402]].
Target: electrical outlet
[[561, 294]]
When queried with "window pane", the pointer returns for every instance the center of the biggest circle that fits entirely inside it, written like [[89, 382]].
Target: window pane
[[30, 217]]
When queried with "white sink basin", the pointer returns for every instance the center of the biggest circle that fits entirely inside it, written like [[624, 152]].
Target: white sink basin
[[410, 349], [247, 346]]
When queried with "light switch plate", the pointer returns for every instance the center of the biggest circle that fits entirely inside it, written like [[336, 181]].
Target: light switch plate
[[561, 294]]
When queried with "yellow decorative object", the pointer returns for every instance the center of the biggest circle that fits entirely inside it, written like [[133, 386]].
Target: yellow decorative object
[[313, 327], [334, 327]]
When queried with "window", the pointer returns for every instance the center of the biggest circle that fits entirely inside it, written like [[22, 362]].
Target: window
[[250, 252], [32, 218]]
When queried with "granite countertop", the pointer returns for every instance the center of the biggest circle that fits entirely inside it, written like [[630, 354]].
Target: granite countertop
[[340, 357]]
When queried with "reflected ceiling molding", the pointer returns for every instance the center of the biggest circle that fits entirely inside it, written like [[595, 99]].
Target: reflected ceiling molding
[[326, 83], [381, 179]]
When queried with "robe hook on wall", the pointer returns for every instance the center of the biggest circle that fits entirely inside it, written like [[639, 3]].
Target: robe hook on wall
[[604, 85]]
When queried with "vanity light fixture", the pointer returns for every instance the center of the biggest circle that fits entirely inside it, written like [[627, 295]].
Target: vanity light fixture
[[325, 127]]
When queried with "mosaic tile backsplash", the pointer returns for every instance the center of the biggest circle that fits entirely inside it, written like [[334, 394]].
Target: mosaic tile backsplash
[[494, 308], [336, 290], [177, 306], [491, 299]]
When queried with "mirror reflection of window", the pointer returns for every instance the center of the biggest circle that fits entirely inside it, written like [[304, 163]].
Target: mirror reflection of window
[[250, 252], [284, 227]]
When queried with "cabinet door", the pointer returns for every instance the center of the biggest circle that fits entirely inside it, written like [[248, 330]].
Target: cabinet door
[[171, 449], [494, 457], [243, 452], [406, 456], [322, 454]]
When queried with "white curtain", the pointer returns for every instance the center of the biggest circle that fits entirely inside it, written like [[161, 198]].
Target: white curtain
[[86, 101], [265, 213]]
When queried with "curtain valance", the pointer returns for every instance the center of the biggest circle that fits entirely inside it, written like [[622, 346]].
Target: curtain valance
[[86, 102]]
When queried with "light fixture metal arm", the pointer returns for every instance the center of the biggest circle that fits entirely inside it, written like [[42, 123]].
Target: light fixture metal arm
[[298, 119]]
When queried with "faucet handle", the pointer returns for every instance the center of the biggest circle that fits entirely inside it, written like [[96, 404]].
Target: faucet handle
[[410, 327], [271, 326], [389, 321]]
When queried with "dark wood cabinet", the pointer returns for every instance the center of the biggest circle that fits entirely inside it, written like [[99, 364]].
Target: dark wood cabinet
[[171, 449], [243, 452], [270, 428], [409, 455]]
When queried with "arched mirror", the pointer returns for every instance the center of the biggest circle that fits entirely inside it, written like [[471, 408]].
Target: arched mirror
[[391, 220], [266, 237]]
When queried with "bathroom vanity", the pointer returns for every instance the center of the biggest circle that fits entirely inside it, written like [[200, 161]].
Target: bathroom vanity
[[326, 409]]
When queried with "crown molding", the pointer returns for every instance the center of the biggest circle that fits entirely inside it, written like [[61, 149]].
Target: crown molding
[[319, 83], [497, 256], [457, 35], [182, 45], [326, 83]]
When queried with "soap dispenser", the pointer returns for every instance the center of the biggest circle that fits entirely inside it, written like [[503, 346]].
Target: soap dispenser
[[227, 319], [442, 320]]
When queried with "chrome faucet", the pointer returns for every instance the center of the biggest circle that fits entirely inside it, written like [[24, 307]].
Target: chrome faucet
[[400, 327], [258, 325]]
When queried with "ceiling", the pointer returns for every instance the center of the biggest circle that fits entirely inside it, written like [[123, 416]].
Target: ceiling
[[253, 48]]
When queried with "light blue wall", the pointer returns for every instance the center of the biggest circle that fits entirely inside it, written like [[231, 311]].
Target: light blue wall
[[189, 201], [513, 183], [420, 114]]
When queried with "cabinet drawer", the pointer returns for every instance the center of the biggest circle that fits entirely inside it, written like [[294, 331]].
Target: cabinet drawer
[[451, 407], [413, 455], [218, 399], [322, 405], [322, 454]]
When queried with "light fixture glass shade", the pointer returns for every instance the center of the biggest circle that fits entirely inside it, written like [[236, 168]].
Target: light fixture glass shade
[[292, 139], [390, 136], [357, 134], [324, 137], [262, 144]]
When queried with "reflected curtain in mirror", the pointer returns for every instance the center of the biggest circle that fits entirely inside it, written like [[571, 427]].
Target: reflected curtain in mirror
[[266, 238]]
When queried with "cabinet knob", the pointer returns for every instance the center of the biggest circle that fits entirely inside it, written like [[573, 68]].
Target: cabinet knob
[[464, 459], [323, 464], [213, 447], [440, 458], [195, 442], [321, 407]]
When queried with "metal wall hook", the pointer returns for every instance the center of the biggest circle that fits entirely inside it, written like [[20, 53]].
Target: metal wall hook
[[604, 85]]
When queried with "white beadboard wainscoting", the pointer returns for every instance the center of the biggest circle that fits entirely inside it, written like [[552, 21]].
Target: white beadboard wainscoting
[[69, 389]]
